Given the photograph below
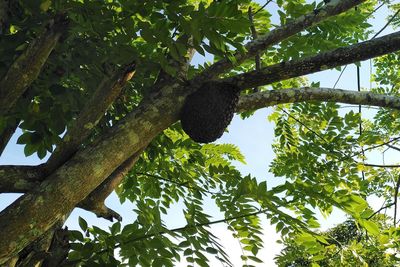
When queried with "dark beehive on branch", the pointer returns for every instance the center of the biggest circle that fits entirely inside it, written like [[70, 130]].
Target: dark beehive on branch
[[208, 111]]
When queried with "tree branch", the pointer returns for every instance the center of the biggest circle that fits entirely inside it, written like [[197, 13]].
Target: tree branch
[[28, 65], [334, 7], [6, 135], [108, 90], [396, 193], [4, 11], [380, 165], [323, 61], [187, 227], [95, 201], [382, 208], [393, 147], [274, 97], [20, 179], [254, 34]]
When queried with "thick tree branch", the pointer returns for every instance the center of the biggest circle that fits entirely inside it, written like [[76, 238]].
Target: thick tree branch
[[6, 135], [4, 12], [20, 179], [274, 97], [28, 65], [334, 7], [95, 201], [108, 90], [323, 61]]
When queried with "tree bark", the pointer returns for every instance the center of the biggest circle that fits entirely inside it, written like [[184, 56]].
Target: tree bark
[[106, 93], [28, 65], [294, 95], [323, 61], [6, 136]]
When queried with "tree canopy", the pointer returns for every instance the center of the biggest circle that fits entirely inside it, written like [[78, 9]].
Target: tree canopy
[[99, 86], [347, 245]]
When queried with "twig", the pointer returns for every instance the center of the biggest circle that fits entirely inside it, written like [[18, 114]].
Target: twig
[[255, 36], [396, 192], [387, 24], [179, 229], [393, 147], [261, 8], [373, 37], [379, 165], [382, 208]]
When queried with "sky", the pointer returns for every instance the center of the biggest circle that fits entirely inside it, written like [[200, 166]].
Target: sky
[[253, 136]]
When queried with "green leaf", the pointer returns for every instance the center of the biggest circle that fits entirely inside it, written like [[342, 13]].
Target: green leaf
[[25, 138], [371, 227], [82, 223], [211, 250], [29, 149]]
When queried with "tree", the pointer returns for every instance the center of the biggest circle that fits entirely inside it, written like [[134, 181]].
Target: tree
[[101, 86], [347, 245]]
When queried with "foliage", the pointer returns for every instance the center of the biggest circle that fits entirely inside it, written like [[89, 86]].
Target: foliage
[[319, 151], [347, 245]]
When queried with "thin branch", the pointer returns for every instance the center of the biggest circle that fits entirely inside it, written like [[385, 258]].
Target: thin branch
[[28, 65], [334, 7], [371, 148], [393, 147], [387, 24], [382, 208], [380, 145], [379, 165], [181, 229], [254, 35], [262, 7], [356, 106], [323, 61], [396, 193], [373, 37]]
